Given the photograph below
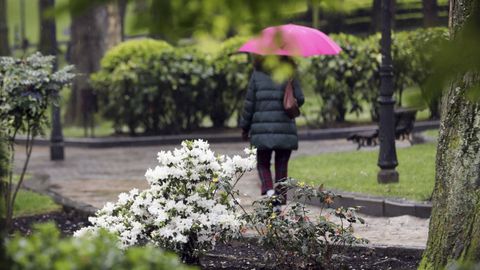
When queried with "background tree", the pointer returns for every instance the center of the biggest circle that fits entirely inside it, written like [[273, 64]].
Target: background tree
[[430, 13], [4, 47], [93, 31], [47, 44], [376, 15], [455, 222]]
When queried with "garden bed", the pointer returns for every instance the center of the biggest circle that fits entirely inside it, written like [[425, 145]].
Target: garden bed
[[246, 254], [67, 220]]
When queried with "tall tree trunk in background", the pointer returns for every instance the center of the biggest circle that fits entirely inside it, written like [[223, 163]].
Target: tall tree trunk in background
[[122, 10], [430, 13], [4, 46], [376, 15], [455, 222], [114, 25], [48, 30], [92, 33]]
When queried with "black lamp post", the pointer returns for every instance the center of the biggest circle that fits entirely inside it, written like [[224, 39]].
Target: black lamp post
[[387, 159], [48, 45]]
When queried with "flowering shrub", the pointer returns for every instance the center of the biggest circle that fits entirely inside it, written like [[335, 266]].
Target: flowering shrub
[[188, 207], [296, 231]]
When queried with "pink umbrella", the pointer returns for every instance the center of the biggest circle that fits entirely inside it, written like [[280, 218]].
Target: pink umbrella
[[291, 40]]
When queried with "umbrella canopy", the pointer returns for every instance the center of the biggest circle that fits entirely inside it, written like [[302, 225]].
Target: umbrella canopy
[[291, 40]]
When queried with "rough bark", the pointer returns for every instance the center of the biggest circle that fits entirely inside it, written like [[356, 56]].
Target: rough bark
[[455, 222], [430, 13], [92, 33], [48, 31], [4, 46], [114, 25], [4, 169]]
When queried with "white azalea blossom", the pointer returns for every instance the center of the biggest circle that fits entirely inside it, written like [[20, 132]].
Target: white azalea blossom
[[182, 205]]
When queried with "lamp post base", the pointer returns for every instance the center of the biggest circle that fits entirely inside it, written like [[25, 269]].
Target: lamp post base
[[386, 176], [57, 151]]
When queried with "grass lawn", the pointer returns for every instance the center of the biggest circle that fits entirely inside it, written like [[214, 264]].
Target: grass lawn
[[31, 203], [357, 172], [432, 133]]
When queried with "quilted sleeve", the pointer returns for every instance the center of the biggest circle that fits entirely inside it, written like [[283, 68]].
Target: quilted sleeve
[[249, 105]]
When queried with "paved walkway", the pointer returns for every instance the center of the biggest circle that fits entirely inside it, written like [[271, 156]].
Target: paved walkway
[[95, 176]]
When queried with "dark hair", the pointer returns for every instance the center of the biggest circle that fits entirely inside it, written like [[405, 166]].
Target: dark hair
[[258, 62]]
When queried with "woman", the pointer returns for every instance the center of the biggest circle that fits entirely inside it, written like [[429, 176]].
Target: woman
[[269, 127]]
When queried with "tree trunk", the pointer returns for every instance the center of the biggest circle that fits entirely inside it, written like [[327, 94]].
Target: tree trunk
[[48, 31], [4, 171], [92, 33], [376, 15], [4, 46], [122, 10], [430, 13], [114, 25], [455, 222]]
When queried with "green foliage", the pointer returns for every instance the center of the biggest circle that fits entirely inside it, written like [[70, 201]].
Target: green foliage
[[27, 87], [342, 81], [149, 85], [414, 54], [458, 58], [127, 83], [46, 250], [296, 230], [146, 84], [345, 81], [230, 80]]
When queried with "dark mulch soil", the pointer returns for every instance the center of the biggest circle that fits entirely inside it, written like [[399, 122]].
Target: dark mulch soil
[[248, 255], [68, 221], [241, 255]]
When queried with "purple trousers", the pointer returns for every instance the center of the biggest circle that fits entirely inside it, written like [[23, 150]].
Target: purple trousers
[[263, 165]]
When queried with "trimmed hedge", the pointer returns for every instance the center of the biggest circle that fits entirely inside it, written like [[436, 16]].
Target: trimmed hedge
[[150, 86], [346, 81], [232, 73]]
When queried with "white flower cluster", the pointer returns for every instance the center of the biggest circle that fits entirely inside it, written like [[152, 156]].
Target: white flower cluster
[[186, 202]]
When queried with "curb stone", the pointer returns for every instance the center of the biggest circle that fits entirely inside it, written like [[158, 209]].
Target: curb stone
[[41, 183], [376, 205], [369, 205]]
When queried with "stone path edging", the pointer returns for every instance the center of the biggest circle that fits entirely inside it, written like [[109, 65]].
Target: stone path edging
[[41, 183], [378, 206], [369, 205], [311, 134]]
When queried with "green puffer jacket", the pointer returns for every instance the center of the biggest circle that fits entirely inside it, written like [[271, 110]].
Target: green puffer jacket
[[263, 114]]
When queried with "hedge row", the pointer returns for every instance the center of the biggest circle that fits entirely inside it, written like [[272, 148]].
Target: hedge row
[[151, 86], [347, 81]]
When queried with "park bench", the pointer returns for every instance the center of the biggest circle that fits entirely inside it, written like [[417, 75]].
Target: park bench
[[404, 123]]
